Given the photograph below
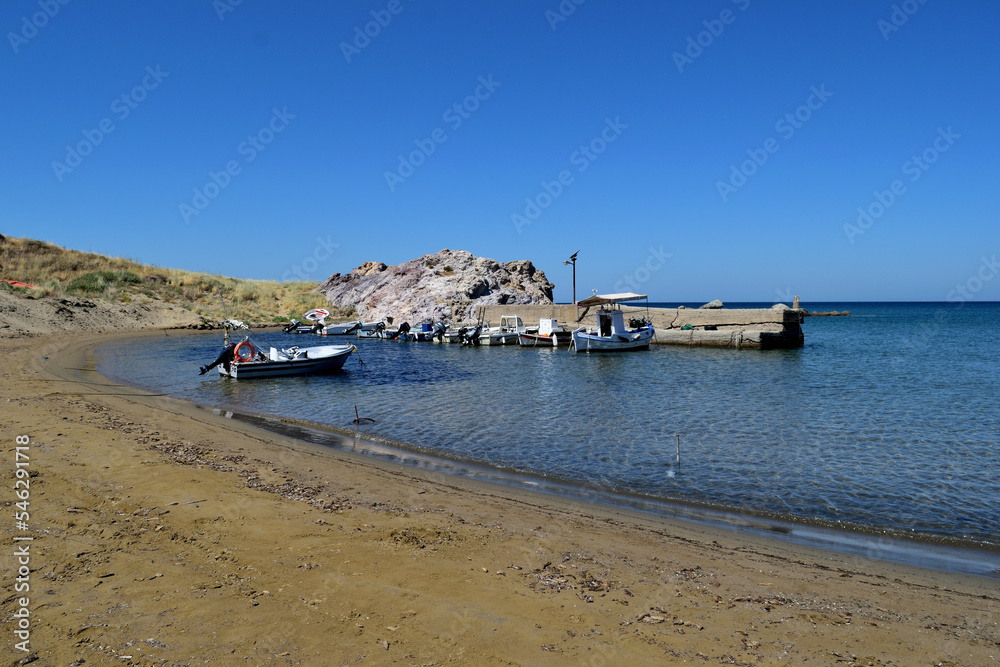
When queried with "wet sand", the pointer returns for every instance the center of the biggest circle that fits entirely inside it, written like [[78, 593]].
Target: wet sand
[[175, 536]]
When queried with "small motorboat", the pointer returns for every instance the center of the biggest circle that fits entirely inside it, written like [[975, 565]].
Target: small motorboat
[[246, 359], [507, 333], [424, 333], [340, 328], [319, 325], [548, 334], [373, 331], [611, 334], [460, 336]]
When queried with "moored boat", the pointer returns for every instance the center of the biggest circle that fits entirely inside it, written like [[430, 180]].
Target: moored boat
[[507, 333], [246, 359], [549, 334], [340, 328], [424, 333], [611, 334], [319, 325]]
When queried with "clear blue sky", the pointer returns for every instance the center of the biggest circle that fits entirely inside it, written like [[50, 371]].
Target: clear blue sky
[[309, 118]]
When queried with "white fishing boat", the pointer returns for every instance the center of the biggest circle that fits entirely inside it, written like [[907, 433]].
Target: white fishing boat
[[247, 359], [611, 334], [507, 333], [548, 334]]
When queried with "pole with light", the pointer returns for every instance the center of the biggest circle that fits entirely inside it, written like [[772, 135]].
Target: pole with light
[[572, 260]]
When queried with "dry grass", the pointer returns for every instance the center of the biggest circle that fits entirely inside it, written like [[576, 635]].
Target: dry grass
[[56, 271]]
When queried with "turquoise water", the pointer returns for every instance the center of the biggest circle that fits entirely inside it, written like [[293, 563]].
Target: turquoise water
[[885, 420]]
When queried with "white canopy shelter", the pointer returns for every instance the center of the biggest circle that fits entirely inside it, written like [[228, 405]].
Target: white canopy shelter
[[602, 299]]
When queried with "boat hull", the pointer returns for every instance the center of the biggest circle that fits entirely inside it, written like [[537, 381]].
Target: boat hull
[[509, 338], [341, 329], [539, 340], [308, 361], [631, 340]]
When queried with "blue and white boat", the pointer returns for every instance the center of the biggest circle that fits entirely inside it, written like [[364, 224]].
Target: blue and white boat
[[611, 334]]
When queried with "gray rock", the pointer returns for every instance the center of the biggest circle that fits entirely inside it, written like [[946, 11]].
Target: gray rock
[[447, 285], [712, 305], [779, 306]]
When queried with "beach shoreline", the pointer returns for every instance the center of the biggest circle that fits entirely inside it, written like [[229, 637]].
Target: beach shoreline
[[198, 518], [938, 552]]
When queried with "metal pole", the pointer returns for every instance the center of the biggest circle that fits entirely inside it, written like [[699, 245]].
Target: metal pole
[[574, 282]]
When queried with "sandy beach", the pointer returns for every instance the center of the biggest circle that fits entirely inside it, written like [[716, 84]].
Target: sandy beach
[[165, 534]]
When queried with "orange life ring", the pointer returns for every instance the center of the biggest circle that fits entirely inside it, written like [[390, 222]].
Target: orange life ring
[[244, 352]]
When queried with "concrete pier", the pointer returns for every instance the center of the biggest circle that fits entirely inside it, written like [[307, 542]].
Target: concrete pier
[[778, 327]]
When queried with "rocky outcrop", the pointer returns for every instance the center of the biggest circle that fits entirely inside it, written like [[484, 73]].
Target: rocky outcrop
[[712, 305], [447, 285]]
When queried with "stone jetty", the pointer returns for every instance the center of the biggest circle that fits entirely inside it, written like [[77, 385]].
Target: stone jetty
[[777, 327]]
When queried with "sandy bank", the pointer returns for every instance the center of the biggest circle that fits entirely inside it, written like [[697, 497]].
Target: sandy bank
[[175, 536]]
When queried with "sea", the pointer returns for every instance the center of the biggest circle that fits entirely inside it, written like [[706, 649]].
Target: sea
[[879, 437]]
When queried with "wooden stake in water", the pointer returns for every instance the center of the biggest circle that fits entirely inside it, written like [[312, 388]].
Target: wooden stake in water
[[678, 452]]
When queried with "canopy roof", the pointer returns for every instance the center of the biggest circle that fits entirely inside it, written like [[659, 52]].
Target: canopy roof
[[601, 299]]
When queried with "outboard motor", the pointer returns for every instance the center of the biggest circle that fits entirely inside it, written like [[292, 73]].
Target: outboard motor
[[225, 358], [318, 327], [404, 329], [291, 326], [439, 329], [471, 336]]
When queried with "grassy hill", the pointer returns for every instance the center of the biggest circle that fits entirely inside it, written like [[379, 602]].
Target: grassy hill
[[56, 271]]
